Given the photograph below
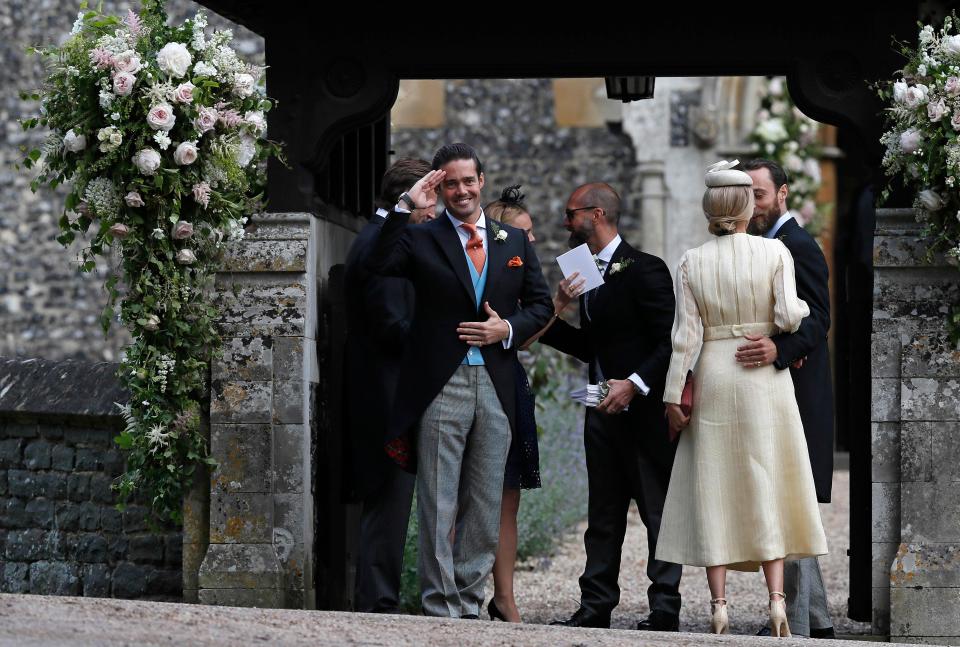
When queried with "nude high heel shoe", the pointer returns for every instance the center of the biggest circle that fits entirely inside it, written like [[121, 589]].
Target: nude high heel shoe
[[718, 616], [778, 616]]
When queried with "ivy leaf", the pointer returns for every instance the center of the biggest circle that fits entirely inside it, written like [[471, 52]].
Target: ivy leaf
[[124, 440]]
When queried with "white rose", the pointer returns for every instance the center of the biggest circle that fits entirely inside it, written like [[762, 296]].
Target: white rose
[[128, 61], [910, 140], [153, 323], [242, 84], [206, 119], [174, 59], [186, 257], [899, 91], [936, 110], [951, 45], [776, 86], [186, 153], [133, 199], [147, 161], [811, 168], [952, 86], [256, 119], [793, 163], [123, 83], [930, 200], [772, 130], [74, 142], [184, 92], [204, 69], [915, 95], [161, 117], [248, 148]]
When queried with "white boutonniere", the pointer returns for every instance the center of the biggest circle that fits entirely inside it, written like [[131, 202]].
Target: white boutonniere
[[620, 266], [499, 234]]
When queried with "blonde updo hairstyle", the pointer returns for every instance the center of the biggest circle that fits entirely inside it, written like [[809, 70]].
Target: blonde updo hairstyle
[[725, 206]]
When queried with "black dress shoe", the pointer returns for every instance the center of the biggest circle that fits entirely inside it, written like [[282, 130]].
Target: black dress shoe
[[585, 618], [764, 631], [822, 633], [495, 613], [659, 621], [469, 616]]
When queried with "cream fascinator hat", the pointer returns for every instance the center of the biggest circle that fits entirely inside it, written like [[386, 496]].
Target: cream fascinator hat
[[723, 174]]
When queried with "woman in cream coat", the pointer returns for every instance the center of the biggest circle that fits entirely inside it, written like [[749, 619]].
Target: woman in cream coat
[[741, 492]]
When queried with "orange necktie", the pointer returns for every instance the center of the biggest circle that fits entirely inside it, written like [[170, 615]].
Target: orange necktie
[[475, 247]]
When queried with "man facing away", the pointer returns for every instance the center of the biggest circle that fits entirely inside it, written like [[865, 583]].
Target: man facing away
[[806, 354], [624, 337], [479, 294], [379, 310]]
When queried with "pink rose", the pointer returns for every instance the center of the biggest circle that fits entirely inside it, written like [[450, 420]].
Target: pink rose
[[201, 193], [119, 231], [206, 120], [230, 118], [161, 117], [182, 230], [186, 153], [936, 110], [952, 86], [133, 199], [184, 93], [910, 140], [186, 257], [955, 120], [127, 62], [123, 83]]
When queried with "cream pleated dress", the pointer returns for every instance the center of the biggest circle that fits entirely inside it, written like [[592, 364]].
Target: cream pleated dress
[[741, 491]]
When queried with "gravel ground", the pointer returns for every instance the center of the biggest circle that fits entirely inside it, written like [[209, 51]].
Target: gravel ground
[[547, 588]]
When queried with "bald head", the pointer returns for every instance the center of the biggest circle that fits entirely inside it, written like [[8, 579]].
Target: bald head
[[602, 195]]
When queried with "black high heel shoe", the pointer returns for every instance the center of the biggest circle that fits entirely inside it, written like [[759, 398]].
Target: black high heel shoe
[[495, 613]]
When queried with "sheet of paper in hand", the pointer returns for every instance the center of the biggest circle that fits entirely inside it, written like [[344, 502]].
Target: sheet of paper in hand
[[579, 259], [592, 394]]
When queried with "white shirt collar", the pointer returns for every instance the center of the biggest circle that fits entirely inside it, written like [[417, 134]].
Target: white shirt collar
[[776, 227], [606, 254], [481, 221], [383, 213]]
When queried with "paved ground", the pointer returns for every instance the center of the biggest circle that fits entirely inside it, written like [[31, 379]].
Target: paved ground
[[28, 621], [548, 589]]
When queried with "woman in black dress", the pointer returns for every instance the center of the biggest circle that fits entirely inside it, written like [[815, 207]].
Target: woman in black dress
[[523, 461]]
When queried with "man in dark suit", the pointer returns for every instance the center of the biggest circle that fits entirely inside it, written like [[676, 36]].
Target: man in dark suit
[[624, 336], [379, 310], [479, 294], [805, 353]]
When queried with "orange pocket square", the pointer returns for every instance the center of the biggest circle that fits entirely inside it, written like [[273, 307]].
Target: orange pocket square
[[515, 262]]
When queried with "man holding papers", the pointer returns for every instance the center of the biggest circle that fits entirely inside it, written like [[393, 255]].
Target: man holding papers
[[624, 337]]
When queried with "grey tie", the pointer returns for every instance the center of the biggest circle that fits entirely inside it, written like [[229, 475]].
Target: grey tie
[[602, 266]]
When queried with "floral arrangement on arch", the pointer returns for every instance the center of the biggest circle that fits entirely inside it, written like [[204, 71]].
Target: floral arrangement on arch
[[923, 139], [157, 131], [789, 137]]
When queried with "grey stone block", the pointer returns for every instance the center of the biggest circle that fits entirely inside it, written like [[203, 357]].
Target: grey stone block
[[111, 519], [51, 432], [13, 514], [288, 459], [245, 518], [88, 516], [61, 458], [926, 565], [36, 455], [288, 402], [885, 354], [89, 459], [916, 451], [90, 436], [165, 583], [881, 610], [266, 256], [101, 488], [68, 516], [3, 483], [243, 457], [118, 548], [54, 578], [22, 430], [930, 399], [26, 545], [145, 548], [28, 485], [930, 353], [11, 452], [240, 402], [247, 359], [930, 512], [885, 452], [40, 513], [886, 512], [16, 578], [173, 550], [78, 487], [946, 451], [240, 566], [910, 612], [883, 555], [130, 580], [904, 293], [261, 307], [898, 251], [288, 358], [885, 403], [96, 580], [135, 518], [252, 598], [277, 226], [114, 462], [92, 548]]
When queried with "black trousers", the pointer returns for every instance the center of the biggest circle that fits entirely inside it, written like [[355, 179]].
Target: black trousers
[[383, 532], [626, 460]]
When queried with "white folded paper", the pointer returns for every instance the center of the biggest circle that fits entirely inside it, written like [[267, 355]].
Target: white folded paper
[[591, 395], [579, 259]]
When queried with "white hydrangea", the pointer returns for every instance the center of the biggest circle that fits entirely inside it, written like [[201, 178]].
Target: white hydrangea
[[234, 229], [162, 139], [202, 68], [106, 99], [103, 197], [77, 25]]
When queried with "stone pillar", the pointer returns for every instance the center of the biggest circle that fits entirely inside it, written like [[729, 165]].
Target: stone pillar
[[915, 439], [653, 207], [262, 403]]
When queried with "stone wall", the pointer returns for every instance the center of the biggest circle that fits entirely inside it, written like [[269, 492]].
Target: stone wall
[[47, 307], [915, 439], [60, 531]]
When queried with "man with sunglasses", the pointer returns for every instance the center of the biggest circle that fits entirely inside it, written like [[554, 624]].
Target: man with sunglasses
[[624, 337]]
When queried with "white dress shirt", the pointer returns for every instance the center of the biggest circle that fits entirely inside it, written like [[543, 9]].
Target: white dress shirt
[[776, 227]]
